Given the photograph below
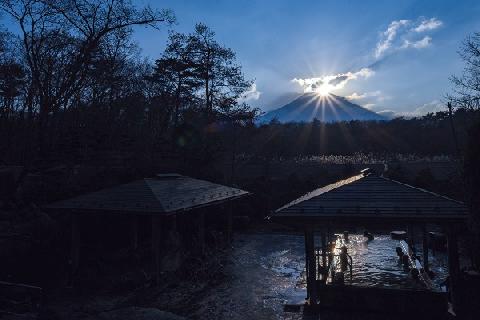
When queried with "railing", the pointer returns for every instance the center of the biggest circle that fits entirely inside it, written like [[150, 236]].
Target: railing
[[333, 261]]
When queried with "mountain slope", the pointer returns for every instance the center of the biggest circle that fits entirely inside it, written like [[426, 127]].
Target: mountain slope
[[311, 106]]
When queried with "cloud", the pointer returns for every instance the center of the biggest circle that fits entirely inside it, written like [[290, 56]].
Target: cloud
[[389, 36], [404, 34], [428, 24], [250, 94], [430, 107], [400, 35], [337, 80], [332, 82], [360, 96], [369, 105], [389, 114], [420, 44]]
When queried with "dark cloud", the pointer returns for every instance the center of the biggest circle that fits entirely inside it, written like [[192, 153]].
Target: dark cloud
[[338, 80]]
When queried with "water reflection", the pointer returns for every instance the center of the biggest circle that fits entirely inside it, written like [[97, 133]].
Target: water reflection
[[375, 263], [266, 271]]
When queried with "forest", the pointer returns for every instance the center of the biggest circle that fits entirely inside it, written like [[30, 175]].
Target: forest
[[75, 88]]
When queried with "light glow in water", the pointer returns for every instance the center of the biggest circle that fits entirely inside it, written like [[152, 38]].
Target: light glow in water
[[266, 271]]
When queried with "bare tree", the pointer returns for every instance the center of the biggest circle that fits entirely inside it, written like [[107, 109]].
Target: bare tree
[[466, 96], [467, 86], [12, 75], [61, 39]]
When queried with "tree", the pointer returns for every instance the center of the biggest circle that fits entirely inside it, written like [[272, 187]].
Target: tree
[[61, 39], [12, 75], [200, 86], [222, 79], [467, 96], [175, 75], [467, 86]]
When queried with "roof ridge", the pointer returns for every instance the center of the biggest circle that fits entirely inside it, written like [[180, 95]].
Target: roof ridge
[[327, 188], [146, 182], [423, 190]]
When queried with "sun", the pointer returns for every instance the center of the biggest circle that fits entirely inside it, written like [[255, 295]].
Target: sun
[[324, 90]]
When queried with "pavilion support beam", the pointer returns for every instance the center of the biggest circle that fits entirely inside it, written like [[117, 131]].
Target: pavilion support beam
[[134, 240], [324, 249], [75, 244], [311, 265], [229, 226], [156, 237], [201, 233], [426, 267], [174, 234], [411, 237], [306, 261], [453, 263]]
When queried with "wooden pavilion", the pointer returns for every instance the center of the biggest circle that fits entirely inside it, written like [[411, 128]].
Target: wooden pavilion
[[370, 200], [163, 198]]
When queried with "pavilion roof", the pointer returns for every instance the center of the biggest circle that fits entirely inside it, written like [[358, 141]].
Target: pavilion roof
[[166, 193], [367, 196]]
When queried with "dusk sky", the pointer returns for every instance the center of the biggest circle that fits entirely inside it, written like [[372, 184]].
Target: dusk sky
[[390, 55]]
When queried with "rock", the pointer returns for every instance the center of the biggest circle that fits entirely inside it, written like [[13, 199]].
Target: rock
[[137, 313]]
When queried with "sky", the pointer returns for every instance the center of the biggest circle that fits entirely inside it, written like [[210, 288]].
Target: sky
[[389, 56], [393, 57]]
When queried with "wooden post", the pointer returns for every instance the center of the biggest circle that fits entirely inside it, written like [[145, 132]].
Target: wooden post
[[173, 238], [229, 223], [201, 232], [75, 244], [425, 247], [134, 232], [453, 263], [411, 240], [305, 233], [156, 236], [310, 261], [324, 249]]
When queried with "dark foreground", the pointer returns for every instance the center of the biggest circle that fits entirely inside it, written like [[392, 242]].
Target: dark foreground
[[253, 279]]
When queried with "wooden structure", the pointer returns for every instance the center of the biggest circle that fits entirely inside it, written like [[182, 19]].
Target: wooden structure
[[370, 200], [163, 198]]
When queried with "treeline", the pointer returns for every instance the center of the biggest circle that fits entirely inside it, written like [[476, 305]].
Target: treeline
[[73, 84], [74, 89], [424, 136]]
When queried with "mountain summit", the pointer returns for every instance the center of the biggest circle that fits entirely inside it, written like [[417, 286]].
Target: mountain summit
[[310, 106]]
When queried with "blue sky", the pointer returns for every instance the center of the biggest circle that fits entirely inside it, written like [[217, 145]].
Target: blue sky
[[278, 41], [389, 56]]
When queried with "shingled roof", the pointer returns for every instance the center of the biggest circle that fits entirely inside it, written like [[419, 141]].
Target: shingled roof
[[367, 196], [166, 193]]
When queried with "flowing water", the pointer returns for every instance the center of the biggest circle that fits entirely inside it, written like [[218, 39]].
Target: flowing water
[[266, 271]]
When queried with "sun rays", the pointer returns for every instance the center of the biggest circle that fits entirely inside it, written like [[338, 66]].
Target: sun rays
[[324, 90]]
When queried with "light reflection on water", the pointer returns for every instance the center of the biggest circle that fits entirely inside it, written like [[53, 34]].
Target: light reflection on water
[[266, 271], [375, 263]]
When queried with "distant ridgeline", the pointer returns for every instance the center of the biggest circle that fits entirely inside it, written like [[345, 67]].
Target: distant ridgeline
[[310, 106]]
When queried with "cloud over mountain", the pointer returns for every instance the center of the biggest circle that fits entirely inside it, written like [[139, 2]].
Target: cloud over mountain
[[334, 82]]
